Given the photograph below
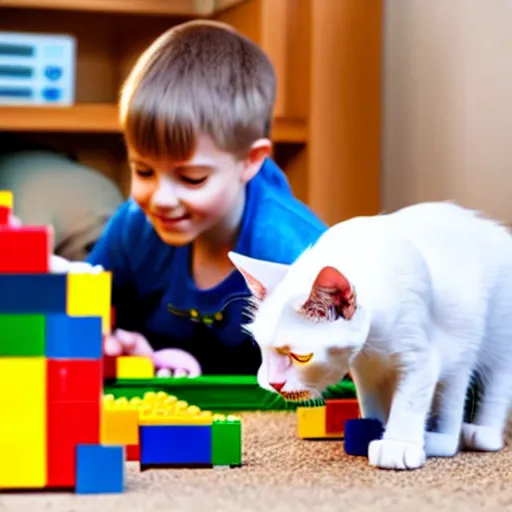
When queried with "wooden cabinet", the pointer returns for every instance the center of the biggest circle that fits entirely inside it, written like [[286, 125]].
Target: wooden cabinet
[[327, 55]]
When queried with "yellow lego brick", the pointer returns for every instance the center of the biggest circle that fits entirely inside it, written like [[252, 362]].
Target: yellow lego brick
[[6, 199], [134, 367], [90, 295], [311, 423], [162, 409], [119, 421], [23, 452], [157, 399]]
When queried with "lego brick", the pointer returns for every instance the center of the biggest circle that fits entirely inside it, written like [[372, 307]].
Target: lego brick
[[22, 335], [23, 449], [359, 433], [69, 424], [311, 423], [134, 367], [25, 250], [99, 469], [109, 367], [90, 295], [75, 380], [71, 337], [119, 422], [337, 411], [133, 452], [226, 441], [179, 413], [7, 199], [4, 215], [159, 408], [33, 293], [168, 445]]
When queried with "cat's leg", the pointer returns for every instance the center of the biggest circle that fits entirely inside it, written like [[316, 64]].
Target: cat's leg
[[374, 391], [448, 413], [486, 433], [402, 444]]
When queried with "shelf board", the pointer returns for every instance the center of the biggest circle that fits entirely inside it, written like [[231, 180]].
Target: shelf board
[[166, 7], [103, 118]]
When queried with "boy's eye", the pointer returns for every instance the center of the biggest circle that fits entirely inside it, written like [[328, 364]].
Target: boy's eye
[[193, 181], [303, 359], [144, 173]]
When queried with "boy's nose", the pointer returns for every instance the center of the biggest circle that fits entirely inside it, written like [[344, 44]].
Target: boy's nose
[[165, 196]]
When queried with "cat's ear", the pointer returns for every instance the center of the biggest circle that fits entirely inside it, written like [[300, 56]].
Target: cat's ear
[[261, 276], [332, 296]]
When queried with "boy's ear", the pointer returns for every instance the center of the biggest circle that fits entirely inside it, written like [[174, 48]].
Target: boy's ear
[[255, 158], [261, 276]]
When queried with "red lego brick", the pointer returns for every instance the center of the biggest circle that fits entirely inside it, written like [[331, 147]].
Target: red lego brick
[[25, 250], [75, 380], [109, 367], [338, 411], [74, 410], [69, 424], [4, 215], [133, 452]]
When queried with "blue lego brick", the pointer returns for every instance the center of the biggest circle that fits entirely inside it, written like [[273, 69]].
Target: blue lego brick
[[175, 444], [99, 469], [33, 293], [69, 337], [359, 433]]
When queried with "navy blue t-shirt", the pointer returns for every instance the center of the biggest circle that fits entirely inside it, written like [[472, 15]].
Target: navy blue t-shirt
[[154, 291]]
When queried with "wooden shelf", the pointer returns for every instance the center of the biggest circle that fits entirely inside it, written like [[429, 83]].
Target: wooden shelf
[[168, 7], [103, 118]]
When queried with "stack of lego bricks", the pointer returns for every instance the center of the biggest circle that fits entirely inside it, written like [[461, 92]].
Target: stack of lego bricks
[[51, 331]]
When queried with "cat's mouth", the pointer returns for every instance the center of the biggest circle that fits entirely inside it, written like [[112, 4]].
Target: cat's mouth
[[296, 396]]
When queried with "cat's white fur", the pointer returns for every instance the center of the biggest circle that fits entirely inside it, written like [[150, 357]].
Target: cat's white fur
[[433, 285]]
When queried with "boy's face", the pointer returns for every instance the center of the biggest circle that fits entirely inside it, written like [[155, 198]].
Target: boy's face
[[185, 200]]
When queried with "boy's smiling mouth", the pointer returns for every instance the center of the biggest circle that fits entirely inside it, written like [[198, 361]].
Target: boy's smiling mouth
[[169, 221]]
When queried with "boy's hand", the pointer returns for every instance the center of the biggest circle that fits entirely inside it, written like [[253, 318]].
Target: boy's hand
[[176, 363], [14, 221], [125, 343], [59, 265]]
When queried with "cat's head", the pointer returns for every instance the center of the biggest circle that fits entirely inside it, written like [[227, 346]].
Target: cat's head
[[307, 322]]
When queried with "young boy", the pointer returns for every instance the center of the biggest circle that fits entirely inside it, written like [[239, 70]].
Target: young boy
[[196, 113]]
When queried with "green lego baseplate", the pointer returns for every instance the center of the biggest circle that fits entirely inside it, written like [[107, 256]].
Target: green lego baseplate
[[221, 393]]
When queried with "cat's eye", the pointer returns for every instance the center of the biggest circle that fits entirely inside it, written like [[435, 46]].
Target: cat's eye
[[302, 359]]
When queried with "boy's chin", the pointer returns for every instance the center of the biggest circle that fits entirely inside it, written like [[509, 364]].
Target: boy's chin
[[175, 239]]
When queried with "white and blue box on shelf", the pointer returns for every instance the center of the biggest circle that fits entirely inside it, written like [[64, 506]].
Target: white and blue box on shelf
[[37, 69]]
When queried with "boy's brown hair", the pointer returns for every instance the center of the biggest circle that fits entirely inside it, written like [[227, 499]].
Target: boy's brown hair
[[200, 77]]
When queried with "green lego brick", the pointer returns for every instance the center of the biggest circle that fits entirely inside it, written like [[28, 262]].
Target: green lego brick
[[226, 441], [219, 393], [22, 335]]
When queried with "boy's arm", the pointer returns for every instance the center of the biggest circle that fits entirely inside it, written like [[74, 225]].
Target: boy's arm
[[112, 253]]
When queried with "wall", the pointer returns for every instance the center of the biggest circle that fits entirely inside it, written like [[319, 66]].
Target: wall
[[447, 100]]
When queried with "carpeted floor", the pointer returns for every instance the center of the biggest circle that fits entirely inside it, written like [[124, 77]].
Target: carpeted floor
[[283, 473]]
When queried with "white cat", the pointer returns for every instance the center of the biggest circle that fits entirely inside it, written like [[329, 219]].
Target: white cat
[[412, 303]]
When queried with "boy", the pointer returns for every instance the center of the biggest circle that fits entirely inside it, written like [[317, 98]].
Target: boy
[[196, 112]]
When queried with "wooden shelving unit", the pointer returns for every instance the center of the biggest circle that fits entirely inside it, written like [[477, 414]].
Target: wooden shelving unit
[[167, 7], [327, 56], [103, 118]]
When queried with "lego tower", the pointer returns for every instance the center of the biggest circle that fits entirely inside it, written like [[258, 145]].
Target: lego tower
[[51, 380]]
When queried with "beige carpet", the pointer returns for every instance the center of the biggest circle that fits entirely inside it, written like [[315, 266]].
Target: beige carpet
[[283, 473]]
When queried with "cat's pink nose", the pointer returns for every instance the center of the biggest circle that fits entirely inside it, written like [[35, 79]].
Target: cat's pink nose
[[277, 385]]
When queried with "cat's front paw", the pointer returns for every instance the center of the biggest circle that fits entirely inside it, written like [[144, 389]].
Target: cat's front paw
[[481, 438], [441, 445], [390, 454]]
